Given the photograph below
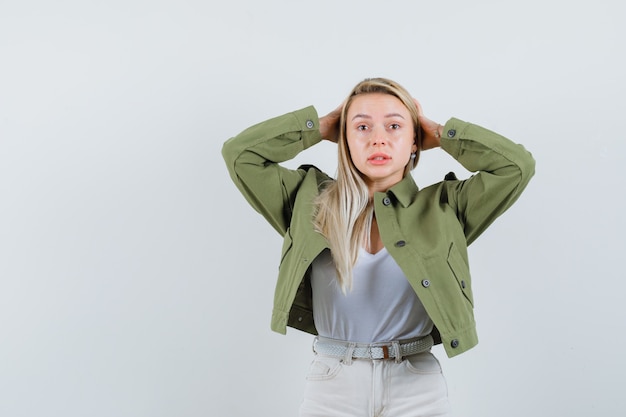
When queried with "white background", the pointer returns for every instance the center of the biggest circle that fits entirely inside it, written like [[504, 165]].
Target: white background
[[136, 281]]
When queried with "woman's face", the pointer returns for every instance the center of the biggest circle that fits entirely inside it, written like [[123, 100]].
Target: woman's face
[[381, 137]]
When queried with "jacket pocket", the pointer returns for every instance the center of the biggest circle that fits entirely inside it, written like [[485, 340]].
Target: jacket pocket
[[460, 269]]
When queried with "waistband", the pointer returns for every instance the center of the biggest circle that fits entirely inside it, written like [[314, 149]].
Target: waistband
[[386, 350]]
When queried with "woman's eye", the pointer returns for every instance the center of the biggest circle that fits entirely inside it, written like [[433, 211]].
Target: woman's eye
[[394, 126], [361, 127]]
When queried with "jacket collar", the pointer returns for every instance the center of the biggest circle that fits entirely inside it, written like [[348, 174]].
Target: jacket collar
[[405, 191]]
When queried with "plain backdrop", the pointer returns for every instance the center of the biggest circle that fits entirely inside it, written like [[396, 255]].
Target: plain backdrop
[[136, 282]]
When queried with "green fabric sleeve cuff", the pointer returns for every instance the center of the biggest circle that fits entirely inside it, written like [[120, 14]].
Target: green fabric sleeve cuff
[[309, 123], [452, 132]]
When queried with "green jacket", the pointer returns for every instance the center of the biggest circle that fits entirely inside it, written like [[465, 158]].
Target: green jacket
[[426, 231]]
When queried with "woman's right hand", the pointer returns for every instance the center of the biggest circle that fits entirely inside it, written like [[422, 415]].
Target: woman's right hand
[[329, 125], [431, 130]]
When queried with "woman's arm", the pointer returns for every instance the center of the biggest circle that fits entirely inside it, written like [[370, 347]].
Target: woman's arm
[[502, 171], [253, 158]]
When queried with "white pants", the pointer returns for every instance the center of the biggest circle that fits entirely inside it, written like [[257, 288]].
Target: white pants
[[337, 387]]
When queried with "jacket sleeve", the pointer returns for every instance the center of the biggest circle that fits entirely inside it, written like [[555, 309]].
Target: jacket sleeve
[[502, 170], [253, 158]]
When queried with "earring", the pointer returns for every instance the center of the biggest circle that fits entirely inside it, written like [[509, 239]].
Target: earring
[[413, 155]]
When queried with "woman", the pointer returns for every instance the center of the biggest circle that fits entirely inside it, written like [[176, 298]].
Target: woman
[[376, 268]]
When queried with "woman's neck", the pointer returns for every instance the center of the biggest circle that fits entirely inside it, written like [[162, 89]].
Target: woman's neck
[[375, 243]]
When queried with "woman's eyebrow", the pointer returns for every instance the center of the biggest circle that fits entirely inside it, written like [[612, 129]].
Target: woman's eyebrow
[[362, 116], [367, 116]]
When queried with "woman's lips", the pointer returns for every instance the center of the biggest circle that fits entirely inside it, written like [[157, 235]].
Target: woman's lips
[[378, 158]]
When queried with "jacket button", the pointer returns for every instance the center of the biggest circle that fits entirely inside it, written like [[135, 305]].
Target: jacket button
[[386, 201], [425, 283], [310, 124], [400, 243], [454, 343], [451, 133], [300, 319]]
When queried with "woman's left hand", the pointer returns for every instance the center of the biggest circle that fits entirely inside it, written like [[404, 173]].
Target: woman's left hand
[[431, 131]]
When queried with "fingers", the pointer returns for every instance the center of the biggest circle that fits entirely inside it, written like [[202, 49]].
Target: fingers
[[329, 125], [335, 114], [420, 111], [425, 121]]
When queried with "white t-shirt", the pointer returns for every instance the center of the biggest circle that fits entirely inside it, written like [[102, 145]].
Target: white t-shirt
[[381, 307]]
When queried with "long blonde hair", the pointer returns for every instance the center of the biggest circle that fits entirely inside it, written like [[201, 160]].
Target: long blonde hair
[[344, 210]]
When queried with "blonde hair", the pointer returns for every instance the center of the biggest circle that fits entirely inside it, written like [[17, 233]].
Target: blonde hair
[[344, 210]]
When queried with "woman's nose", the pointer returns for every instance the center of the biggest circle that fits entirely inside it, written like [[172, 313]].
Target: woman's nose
[[378, 137]]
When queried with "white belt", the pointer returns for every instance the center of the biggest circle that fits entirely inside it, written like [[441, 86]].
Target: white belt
[[387, 350]]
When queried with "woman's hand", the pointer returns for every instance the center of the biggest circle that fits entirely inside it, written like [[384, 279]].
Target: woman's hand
[[431, 131], [329, 125]]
